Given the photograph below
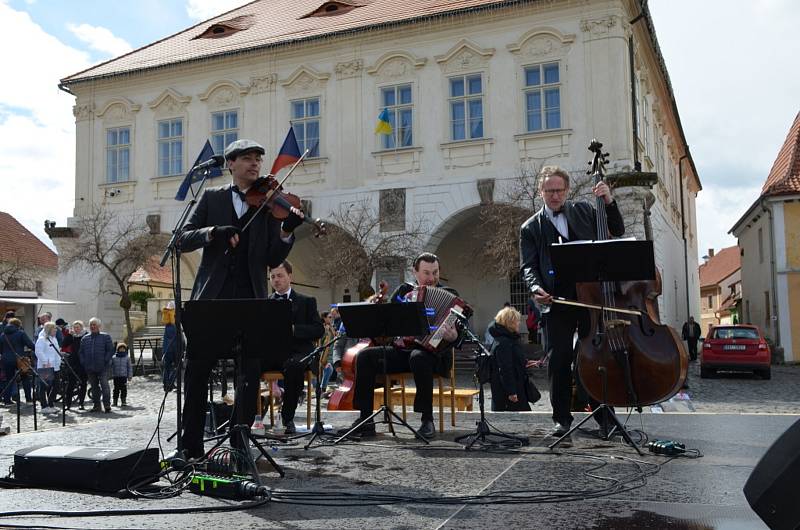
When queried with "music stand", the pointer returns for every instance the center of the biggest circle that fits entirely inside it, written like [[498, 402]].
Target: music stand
[[235, 328], [603, 261], [384, 320]]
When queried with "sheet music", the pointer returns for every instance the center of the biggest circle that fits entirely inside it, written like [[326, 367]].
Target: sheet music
[[600, 242]]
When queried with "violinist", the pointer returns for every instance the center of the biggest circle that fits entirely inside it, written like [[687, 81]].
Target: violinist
[[560, 220], [404, 358], [234, 265]]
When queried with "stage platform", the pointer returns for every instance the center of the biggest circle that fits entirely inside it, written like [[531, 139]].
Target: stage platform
[[554, 489]]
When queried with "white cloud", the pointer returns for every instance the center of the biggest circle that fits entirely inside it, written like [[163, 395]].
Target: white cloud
[[734, 72], [100, 39], [37, 129], [204, 9]]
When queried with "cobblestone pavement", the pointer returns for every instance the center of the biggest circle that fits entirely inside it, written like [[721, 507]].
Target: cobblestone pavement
[[727, 393]]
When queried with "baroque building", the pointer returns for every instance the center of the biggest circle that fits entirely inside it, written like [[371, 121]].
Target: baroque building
[[476, 90]]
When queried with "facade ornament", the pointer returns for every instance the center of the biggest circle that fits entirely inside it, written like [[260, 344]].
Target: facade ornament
[[224, 93], [83, 112], [465, 56], [305, 81], [349, 69], [119, 109], [600, 26], [264, 83], [486, 191], [170, 102], [396, 65]]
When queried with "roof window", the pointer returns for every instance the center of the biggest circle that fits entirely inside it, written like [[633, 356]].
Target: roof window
[[335, 7], [225, 28]]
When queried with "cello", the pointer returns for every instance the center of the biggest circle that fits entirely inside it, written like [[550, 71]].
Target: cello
[[342, 397], [626, 363]]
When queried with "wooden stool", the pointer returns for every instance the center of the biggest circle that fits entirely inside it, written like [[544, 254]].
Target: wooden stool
[[274, 377]]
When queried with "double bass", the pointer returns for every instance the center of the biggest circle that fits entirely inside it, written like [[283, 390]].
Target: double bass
[[628, 358], [342, 397]]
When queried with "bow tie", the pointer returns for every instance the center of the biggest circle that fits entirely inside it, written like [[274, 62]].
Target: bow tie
[[556, 213], [235, 189], [282, 296]]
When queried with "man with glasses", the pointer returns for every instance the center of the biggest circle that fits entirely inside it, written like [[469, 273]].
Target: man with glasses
[[560, 220]]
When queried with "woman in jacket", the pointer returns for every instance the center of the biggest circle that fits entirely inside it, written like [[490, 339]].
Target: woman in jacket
[[509, 378], [13, 343], [48, 366], [76, 385]]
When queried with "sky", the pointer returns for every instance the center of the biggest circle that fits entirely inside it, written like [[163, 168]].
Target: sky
[[732, 63]]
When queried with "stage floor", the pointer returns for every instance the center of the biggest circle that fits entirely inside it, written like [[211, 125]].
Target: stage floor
[[648, 492]]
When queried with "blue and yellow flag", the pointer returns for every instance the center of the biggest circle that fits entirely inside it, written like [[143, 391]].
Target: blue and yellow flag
[[383, 126]]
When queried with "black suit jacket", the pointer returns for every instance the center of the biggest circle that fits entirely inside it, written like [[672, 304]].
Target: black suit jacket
[[538, 233], [266, 248], [308, 326]]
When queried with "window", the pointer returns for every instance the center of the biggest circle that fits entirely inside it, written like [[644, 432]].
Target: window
[[305, 122], [542, 97], [118, 154], [397, 100], [710, 302], [645, 132], [170, 147], [224, 129], [466, 107], [518, 293]]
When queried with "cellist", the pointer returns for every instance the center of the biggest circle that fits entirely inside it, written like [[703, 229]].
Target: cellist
[[560, 220]]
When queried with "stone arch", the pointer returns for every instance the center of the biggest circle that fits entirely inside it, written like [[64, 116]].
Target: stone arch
[[305, 79], [396, 64], [119, 108], [464, 55], [170, 102], [224, 92]]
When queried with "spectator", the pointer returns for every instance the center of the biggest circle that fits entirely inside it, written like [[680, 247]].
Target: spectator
[[122, 372], [691, 333], [96, 352], [169, 346], [509, 377], [48, 366], [75, 374], [12, 346], [326, 359], [43, 319]]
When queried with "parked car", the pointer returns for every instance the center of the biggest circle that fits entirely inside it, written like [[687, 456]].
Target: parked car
[[738, 347]]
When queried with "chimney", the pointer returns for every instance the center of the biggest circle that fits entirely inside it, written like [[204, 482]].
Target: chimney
[[711, 253]]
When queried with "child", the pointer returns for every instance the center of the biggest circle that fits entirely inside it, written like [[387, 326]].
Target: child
[[121, 371]]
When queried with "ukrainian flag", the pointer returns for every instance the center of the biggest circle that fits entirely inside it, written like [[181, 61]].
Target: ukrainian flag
[[383, 126]]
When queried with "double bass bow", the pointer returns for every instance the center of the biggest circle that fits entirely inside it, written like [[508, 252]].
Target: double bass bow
[[622, 362]]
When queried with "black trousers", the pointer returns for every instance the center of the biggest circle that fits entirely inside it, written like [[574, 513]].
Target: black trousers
[[196, 400], [692, 343], [120, 389], [421, 363], [76, 386], [293, 380]]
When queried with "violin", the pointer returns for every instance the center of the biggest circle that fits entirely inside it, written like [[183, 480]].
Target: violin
[[342, 397], [267, 191]]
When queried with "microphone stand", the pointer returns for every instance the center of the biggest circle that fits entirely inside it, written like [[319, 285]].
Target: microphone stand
[[483, 431], [64, 386], [319, 428], [174, 248]]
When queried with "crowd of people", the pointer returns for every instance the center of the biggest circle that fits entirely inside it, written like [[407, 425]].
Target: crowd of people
[[60, 361]]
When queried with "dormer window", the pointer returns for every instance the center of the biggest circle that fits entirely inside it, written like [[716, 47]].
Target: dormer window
[[335, 7], [225, 28]]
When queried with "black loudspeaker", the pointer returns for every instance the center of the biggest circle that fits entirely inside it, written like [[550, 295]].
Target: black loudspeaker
[[773, 488], [85, 468]]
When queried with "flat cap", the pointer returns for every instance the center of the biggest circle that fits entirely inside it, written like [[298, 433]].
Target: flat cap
[[242, 146]]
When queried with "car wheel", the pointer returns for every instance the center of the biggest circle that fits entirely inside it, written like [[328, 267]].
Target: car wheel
[[706, 373], [766, 373]]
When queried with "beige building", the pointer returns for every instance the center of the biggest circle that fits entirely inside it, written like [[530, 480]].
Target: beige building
[[476, 89], [769, 239], [720, 288]]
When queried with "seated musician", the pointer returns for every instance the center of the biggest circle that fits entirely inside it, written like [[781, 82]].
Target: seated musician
[[422, 363], [307, 327]]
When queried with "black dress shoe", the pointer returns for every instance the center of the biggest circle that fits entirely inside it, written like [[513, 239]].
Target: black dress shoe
[[289, 427], [559, 429], [365, 431], [427, 429]]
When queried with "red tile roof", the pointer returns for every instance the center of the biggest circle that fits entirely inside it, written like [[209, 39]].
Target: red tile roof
[[152, 272], [278, 22], [20, 244], [784, 177], [723, 264]]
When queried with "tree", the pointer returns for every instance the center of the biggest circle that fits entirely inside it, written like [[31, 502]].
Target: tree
[[15, 273], [117, 244], [356, 246]]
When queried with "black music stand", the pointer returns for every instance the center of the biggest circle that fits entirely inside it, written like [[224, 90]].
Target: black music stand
[[235, 328], [384, 320], [609, 260]]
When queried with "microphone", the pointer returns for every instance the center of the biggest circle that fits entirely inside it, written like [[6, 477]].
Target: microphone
[[458, 314], [214, 161]]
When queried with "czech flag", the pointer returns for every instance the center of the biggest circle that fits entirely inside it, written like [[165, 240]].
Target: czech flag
[[289, 153], [383, 126], [193, 177]]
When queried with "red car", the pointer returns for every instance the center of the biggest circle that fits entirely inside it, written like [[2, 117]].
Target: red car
[[738, 347]]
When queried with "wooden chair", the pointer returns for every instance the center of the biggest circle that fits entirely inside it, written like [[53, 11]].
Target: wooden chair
[[445, 386], [269, 378]]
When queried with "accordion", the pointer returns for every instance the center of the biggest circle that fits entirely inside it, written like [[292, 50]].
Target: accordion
[[438, 303]]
